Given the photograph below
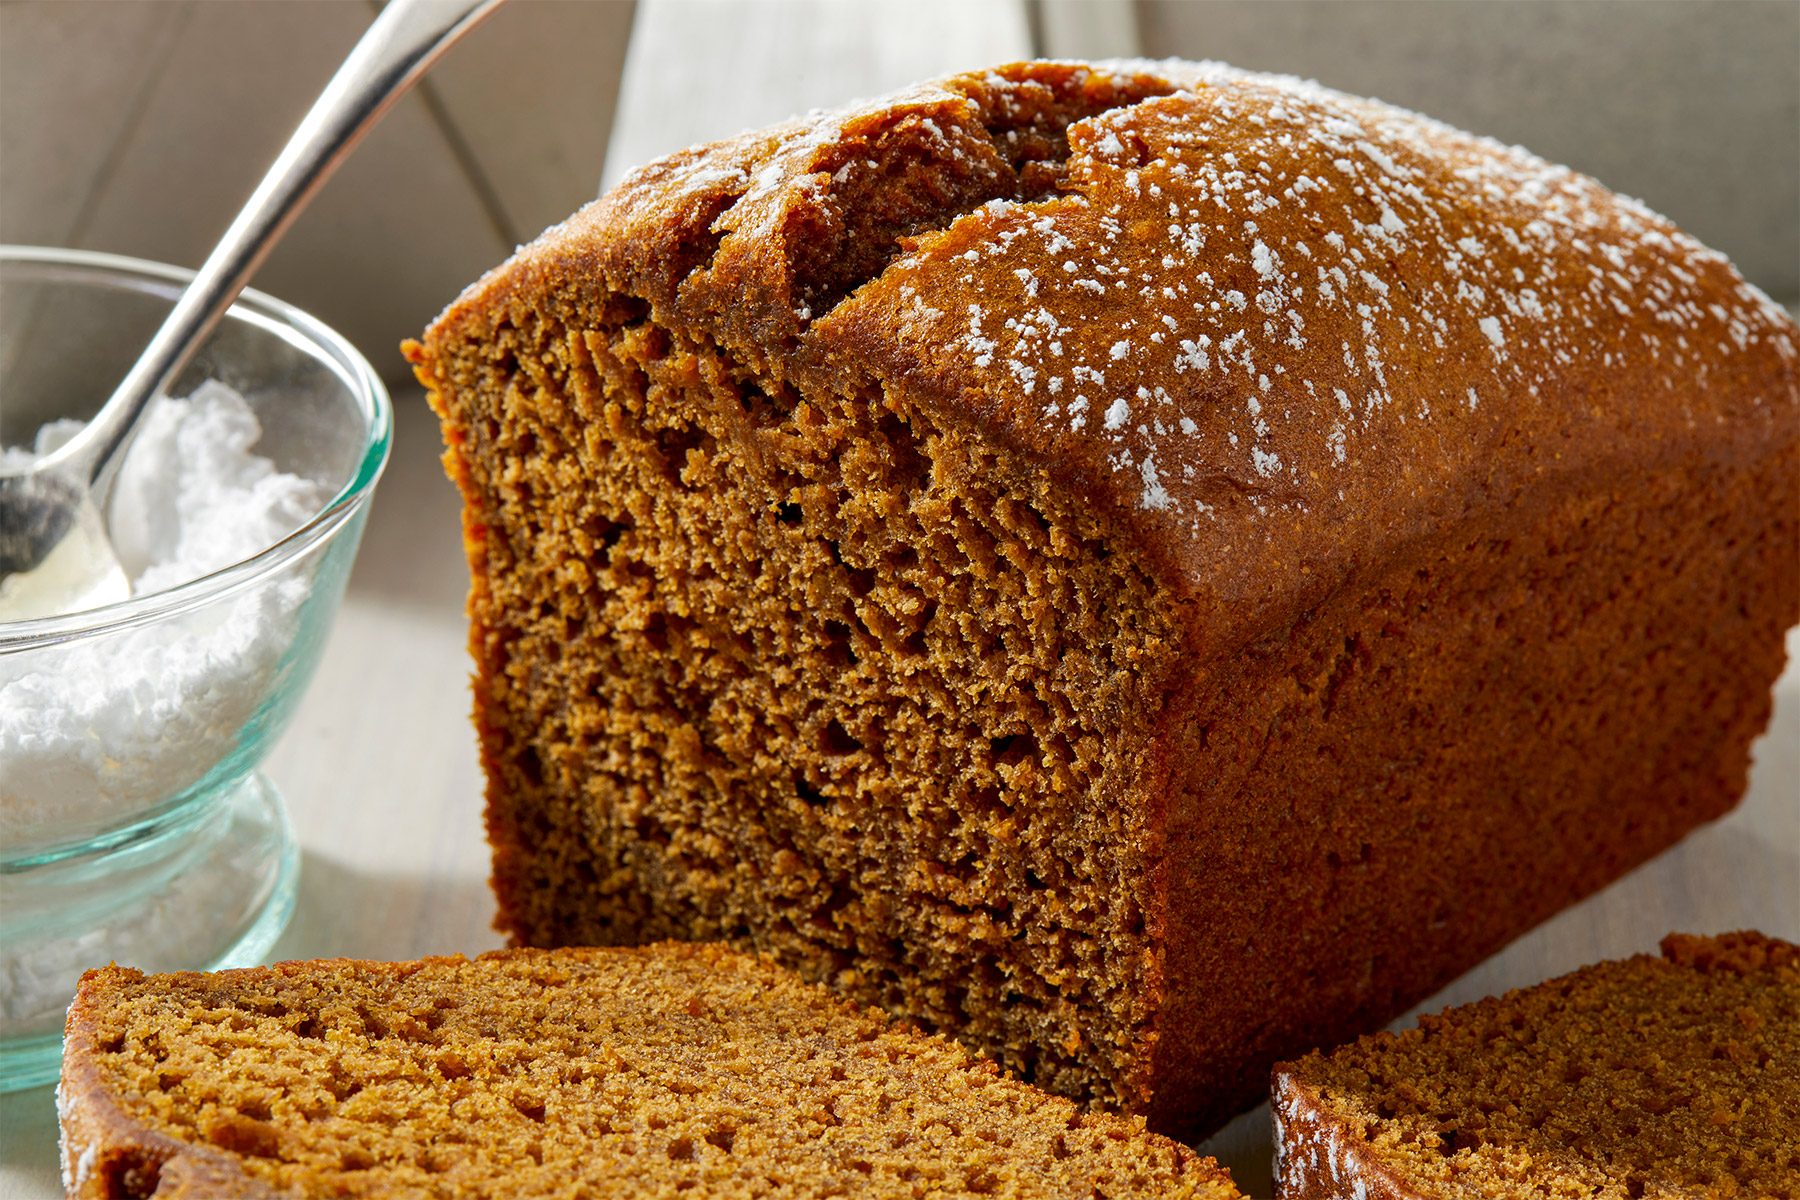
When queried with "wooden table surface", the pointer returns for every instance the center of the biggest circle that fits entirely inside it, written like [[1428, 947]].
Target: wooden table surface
[[380, 772]]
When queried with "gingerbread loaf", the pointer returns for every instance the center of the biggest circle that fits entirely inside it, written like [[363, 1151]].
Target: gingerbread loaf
[[1145, 567], [1655, 1076], [660, 1072]]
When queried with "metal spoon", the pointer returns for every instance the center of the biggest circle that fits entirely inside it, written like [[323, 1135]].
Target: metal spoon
[[59, 498]]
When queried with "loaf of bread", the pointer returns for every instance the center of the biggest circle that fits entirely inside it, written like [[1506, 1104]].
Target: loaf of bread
[[1650, 1077], [670, 1070], [1146, 567]]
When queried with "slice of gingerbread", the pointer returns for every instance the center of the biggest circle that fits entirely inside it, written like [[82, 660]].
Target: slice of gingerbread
[[644, 1072], [1648, 1077]]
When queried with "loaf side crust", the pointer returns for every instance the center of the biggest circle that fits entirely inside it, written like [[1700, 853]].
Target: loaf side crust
[[1318, 1157]]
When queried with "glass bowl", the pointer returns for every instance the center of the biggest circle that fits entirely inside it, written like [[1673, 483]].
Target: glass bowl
[[134, 824]]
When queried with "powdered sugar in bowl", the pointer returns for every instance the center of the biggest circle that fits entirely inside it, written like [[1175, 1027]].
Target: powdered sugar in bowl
[[134, 825]]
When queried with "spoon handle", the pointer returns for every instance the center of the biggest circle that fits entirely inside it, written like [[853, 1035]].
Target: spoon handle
[[404, 40]]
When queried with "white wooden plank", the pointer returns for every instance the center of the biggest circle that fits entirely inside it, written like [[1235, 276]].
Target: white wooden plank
[[380, 767], [699, 70], [1088, 29]]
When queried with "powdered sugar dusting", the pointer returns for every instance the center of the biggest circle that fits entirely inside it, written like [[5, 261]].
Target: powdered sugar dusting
[[1395, 294], [1254, 282]]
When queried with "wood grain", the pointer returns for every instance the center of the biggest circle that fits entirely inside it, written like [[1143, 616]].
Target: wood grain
[[699, 70], [528, 104]]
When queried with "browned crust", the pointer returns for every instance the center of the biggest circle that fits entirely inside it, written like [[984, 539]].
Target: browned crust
[[108, 1155], [1744, 952], [720, 241], [1318, 1157]]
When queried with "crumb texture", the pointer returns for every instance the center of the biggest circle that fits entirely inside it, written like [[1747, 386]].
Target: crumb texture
[[806, 667], [815, 677], [659, 1072], [1676, 1076]]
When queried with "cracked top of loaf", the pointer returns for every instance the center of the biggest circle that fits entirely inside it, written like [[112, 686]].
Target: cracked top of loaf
[[1271, 329]]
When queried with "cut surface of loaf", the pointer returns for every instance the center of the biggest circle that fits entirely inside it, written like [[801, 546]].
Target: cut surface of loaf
[[1671, 1076], [1066, 551], [669, 1070]]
